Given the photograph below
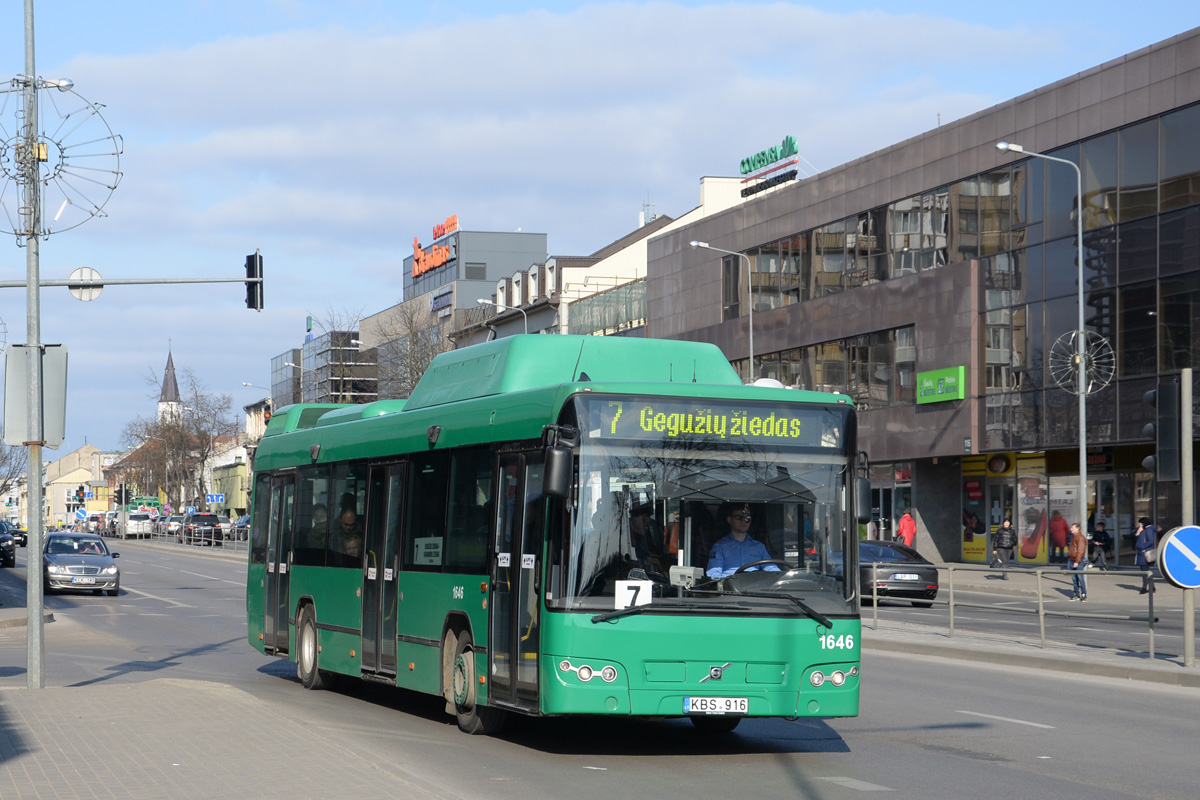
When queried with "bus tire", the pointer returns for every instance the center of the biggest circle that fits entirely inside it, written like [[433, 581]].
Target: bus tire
[[308, 652], [715, 726], [473, 719]]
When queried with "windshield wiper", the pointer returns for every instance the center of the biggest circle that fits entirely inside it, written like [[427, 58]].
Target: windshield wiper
[[808, 610], [624, 612]]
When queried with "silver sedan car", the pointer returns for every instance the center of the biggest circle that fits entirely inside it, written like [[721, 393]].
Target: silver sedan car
[[80, 562]]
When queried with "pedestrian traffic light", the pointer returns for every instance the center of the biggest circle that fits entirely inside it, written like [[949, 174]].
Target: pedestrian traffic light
[[1164, 431], [254, 287]]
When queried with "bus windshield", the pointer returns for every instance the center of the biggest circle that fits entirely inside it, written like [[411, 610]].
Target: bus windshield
[[747, 501]]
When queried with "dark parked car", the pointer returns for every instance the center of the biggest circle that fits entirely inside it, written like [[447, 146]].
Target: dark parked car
[[8, 550], [201, 527], [20, 536], [902, 573], [241, 528], [79, 561]]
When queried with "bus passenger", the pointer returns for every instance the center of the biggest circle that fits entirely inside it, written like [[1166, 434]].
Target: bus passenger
[[737, 548]]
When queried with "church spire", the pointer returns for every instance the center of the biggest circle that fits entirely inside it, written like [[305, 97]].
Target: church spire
[[169, 404]]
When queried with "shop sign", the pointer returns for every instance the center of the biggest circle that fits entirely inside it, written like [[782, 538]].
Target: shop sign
[[770, 155], [939, 385], [438, 255], [774, 180]]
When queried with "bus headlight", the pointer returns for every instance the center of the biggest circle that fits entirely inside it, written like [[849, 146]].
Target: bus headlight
[[817, 677]]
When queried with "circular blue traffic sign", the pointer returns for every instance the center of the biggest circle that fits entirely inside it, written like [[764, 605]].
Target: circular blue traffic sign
[[80, 514], [1179, 556]]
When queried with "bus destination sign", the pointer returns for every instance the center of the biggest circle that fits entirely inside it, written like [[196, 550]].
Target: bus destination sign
[[668, 419]]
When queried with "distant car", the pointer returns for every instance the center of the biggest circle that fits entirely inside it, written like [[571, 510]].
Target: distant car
[[8, 550], [226, 526], [94, 521], [241, 528], [201, 527], [171, 526], [80, 562], [902, 573], [138, 526]]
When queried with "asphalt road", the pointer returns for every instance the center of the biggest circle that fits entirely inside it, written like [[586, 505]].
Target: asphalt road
[[929, 727]]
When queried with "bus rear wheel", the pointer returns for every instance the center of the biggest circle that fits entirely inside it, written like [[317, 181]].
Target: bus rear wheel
[[308, 655], [472, 718]]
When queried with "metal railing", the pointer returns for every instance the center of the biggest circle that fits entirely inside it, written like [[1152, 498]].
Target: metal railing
[[1042, 612], [213, 536]]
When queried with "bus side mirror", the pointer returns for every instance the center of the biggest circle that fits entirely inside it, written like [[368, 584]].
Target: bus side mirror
[[560, 446], [862, 500]]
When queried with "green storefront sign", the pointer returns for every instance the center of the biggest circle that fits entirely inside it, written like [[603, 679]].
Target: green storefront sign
[[938, 385], [769, 156]]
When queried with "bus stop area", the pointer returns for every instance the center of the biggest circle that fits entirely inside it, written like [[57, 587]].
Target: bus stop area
[[140, 739]]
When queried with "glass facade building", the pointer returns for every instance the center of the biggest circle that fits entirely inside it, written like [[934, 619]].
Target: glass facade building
[[943, 252]]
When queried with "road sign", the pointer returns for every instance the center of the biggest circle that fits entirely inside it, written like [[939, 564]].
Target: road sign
[[80, 514], [1179, 556], [214, 498], [190, 510]]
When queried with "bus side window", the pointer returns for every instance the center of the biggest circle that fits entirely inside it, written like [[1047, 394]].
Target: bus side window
[[470, 501], [425, 535]]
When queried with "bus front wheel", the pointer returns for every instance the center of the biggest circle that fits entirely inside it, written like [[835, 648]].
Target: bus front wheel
[[308, 656], [472, 718]]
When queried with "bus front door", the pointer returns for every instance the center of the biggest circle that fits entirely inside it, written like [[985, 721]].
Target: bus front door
[[379, 570], [515, 604], [279, 549]]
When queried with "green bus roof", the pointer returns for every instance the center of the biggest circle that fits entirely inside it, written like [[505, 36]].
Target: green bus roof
[[518, 363]]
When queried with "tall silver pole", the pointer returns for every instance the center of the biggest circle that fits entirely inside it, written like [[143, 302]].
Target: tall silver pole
[[749, 293], [35, 666], [1081, 355], [1188, 478]]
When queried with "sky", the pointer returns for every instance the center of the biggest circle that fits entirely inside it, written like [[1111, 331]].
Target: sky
[[329, 135]]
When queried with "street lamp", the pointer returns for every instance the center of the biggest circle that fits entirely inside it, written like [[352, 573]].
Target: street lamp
[[503, 307], [255, 386], [1081, 336], [749, 291]]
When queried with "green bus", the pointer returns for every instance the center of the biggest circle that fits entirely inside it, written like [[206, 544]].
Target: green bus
[[143, 503], [530, 531]]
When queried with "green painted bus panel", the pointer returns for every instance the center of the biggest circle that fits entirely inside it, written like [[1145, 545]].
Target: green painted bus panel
[[428, 598], [256, 575], [661, 659], [419, 667], [298, 417]]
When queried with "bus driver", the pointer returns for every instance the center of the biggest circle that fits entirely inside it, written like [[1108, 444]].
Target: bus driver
[[737, 548]]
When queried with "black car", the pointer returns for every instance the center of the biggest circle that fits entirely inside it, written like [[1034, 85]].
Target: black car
[[201, 527], [8, 550], [79, 561], [902, 572], [21, 537]]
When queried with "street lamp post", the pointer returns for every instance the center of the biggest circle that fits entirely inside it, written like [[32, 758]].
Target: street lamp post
[[749, 290], [503, 307], [1081, 337]]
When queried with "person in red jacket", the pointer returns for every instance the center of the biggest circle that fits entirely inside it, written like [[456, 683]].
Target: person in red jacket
[[906, 530]]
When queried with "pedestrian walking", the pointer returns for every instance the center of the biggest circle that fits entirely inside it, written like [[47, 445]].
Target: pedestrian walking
[[906, 530], [1144, 541], [1101, 541], [1003, 542], [1077, 560]]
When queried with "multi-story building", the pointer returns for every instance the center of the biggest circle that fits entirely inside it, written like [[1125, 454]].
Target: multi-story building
[[945, 262]]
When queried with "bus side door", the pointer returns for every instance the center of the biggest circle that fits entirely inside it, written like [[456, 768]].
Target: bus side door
[[515, 603], [380, 573], [279, 551]]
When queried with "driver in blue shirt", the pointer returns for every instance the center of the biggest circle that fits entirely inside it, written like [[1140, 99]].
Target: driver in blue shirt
[[737, 548]]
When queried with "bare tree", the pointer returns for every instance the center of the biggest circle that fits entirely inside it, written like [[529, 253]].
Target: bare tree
[[170, 453], [411, 337], [13, 460]]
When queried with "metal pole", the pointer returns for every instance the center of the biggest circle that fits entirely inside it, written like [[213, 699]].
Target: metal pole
[[35, 666], [1188, 516], [750, 293]]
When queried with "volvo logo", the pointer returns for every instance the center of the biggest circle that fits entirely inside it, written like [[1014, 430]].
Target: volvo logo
[[715, 673]]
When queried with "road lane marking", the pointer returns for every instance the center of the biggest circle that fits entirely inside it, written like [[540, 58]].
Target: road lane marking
[[211, 578], [1008, 719], [175, 603], [852, 783]]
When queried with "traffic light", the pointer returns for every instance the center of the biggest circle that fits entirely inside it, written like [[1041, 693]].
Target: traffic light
[[254, 287], [1164, 431], [79, 494]]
